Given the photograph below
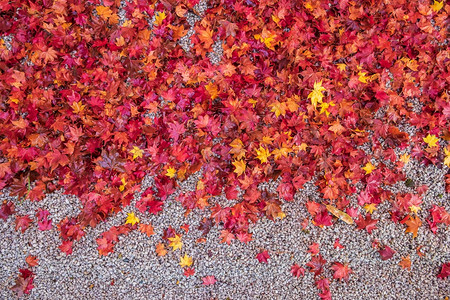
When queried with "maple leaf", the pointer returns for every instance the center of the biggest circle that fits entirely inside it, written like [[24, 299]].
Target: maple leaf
[[32, 261], [313, 207], [132, 219], [437, 6], [445, 271], [366, 223], [314, 249], [370, 208], [136, 152], [147, 229], [226, 236], [240, 167], [171, 172], [104, 12], [316, 95], [337, 244], [175, 242], [341, 271], [431, 140], [23, 222], [316, 264], [413, 224], [186, 261], [386, 253], [159, 18], [7, 209], [362, 77], [297, 271], [237, 150], [160, 249], [189, 272], [263, 154], [209, 280], [447, 157], [369, 168], [263, 256], [405, 263], [278, 108], [323, 219], [24, 283], [66, 247]]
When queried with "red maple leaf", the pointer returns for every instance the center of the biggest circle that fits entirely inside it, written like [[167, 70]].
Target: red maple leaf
[[297, 271], [209, 280], [23, 222], [314, 249], [24, 282], [341, 271], [445, 271], [6, 210], [323, 219], [263, 256], [189, 272], [316, 264], [366, 223], [66, 247], [386, 253]]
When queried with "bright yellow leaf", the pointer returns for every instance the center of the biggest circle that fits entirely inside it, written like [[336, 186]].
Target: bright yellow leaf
[[186, 261], [175, 242], [211, 88], [362, 77], [370, 208], [136, 152], [431, 140], [263, 154], [240, 167], [324, 107], [447, 157], [159, 18], [342, 67], [124, 183], [436, 6], [414, 209], [171, 172], [316, 95], [132, 219], [368, 168]]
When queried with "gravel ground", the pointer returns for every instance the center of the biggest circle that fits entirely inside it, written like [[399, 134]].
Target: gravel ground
[[138, 273]]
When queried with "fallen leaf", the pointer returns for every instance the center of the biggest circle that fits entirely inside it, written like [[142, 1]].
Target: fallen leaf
[[32, 261], [186, 261], [405, 263]]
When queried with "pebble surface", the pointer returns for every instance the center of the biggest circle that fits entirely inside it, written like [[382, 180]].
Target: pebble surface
[[134, 270]]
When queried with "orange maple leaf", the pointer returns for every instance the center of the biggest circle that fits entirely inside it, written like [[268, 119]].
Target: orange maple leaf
[[413, 225], [405, 263]]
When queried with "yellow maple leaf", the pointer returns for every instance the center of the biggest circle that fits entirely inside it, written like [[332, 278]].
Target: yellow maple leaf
[[132, 219], [279, 108], [324, 106], [342, 67], [431, 140], [316, 95], [263, 154], [368, 168], [405, 158], [136, 152], [211, 88], [447, 157], [78, 107], [240, 167], [414, 209], [362, 77], [175, 242], [122, 186], [159, 18], [186, 261], [283, 151], [436, 6], [104, 12], [370, 208], [171, 172]]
